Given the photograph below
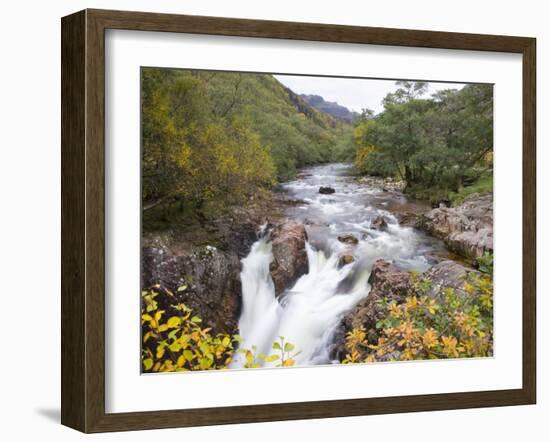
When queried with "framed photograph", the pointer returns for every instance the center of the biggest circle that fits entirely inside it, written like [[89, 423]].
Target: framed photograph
[[266, 221]]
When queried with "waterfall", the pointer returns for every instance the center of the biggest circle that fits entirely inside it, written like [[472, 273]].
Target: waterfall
[[306, 314]]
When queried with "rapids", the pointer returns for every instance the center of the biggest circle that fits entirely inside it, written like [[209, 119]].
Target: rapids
[[308, 312]]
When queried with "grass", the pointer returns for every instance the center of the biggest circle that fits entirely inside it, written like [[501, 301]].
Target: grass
[[482, 185]]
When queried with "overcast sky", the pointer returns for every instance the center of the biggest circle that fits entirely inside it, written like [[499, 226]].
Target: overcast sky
[[355, 94]]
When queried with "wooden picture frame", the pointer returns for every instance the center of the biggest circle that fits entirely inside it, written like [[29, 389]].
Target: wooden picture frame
[[83, 218]]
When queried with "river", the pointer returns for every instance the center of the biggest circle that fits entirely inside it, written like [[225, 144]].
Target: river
[[309, 311]]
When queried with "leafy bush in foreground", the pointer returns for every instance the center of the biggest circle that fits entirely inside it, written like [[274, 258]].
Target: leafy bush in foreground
[[179, 343], [448, 325]]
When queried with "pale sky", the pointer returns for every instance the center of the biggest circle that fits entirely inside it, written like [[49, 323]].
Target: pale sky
[[355, 94]]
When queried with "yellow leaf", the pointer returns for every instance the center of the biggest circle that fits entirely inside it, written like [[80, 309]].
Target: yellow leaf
[[147, 364], [158, 315], [271, 358], [181, 361], [174, 322], [289, 363], [175, 346]]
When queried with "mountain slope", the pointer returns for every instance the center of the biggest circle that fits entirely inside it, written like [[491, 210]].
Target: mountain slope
[[329, 107], [214, 139], [296, 133]]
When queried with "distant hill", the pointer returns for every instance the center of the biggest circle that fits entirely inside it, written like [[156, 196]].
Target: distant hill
[[329, 107]]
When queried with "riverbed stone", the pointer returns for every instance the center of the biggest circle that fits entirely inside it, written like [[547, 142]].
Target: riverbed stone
[[289, 254], [346, 259], [348, 238], [379, 223], [326, 190]]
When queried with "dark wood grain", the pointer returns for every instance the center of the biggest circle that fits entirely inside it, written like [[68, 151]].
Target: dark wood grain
[[73, 292], [145, 21], [529, 220], [83, 220]]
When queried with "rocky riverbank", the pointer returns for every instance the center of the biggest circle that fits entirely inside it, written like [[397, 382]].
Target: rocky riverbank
[[467, 229]]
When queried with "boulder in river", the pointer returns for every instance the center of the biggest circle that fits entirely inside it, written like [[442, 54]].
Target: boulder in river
[[348, 239], [346, 259], [289, 254], [326, 190], [379, 223], [467, 229]]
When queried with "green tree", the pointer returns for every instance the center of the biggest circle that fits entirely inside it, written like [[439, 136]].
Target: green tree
[[436, 145]]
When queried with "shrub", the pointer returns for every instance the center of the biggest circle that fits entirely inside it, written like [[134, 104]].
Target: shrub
[[451, 324], [180, 343]]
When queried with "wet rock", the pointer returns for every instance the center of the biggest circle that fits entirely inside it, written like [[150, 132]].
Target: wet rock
[[346, 259], [289, 254], [379, 223], [208, 282], [326, 190], [348, 239], [467, 229]]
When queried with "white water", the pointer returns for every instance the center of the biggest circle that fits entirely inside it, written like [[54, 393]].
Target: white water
[[307, 314]]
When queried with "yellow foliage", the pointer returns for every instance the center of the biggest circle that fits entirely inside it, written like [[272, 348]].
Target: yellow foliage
[[448, 325], [362, 155], [179, 343]]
